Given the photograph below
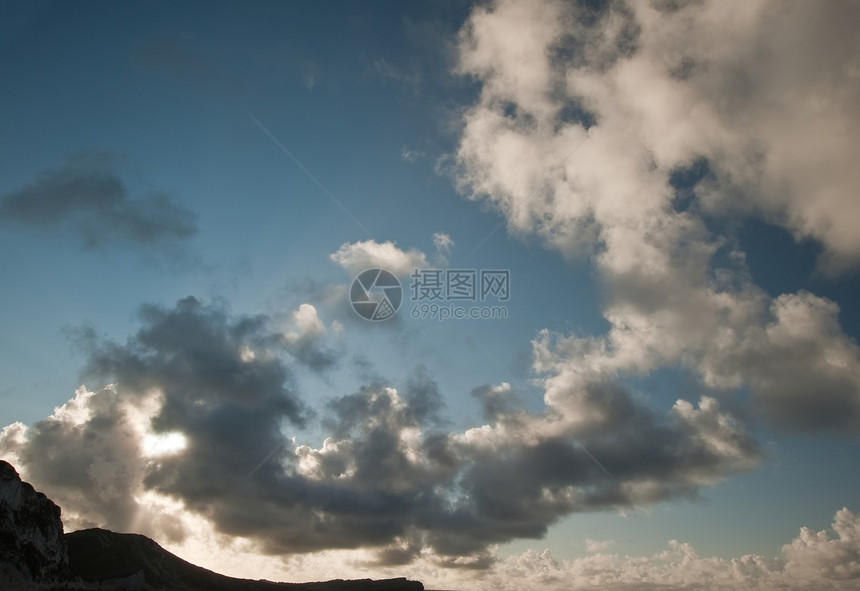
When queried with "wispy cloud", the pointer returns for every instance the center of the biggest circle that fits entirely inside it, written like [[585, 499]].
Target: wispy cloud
[[87, 198], [409, 77], [443, 244], [411, 155]]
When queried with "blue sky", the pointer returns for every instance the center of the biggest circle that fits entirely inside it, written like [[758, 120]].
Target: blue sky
[[188, 190]]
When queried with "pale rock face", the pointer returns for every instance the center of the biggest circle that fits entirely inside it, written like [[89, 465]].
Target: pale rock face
[[32, 546]]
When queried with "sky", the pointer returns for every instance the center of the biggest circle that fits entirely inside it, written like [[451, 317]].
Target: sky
[[608, 339]]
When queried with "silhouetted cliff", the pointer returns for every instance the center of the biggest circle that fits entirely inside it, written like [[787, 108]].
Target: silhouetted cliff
[[32, 545]]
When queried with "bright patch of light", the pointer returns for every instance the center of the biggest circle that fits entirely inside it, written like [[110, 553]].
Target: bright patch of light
[[247, 354], [163, 444]]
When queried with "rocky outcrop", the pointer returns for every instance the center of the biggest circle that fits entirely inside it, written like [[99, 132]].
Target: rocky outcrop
[[32, 545], [104, 559]]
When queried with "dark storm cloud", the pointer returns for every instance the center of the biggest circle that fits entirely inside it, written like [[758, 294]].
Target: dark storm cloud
[[85, 196], [626, 456], [496, 402], [311, 351], [388, 476], [229, 404], [202, 361], [425, 402], [387, 479], [361, 490]]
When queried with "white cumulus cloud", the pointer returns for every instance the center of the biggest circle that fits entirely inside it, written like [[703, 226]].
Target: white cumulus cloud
[[584, 118], [356, 257]]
